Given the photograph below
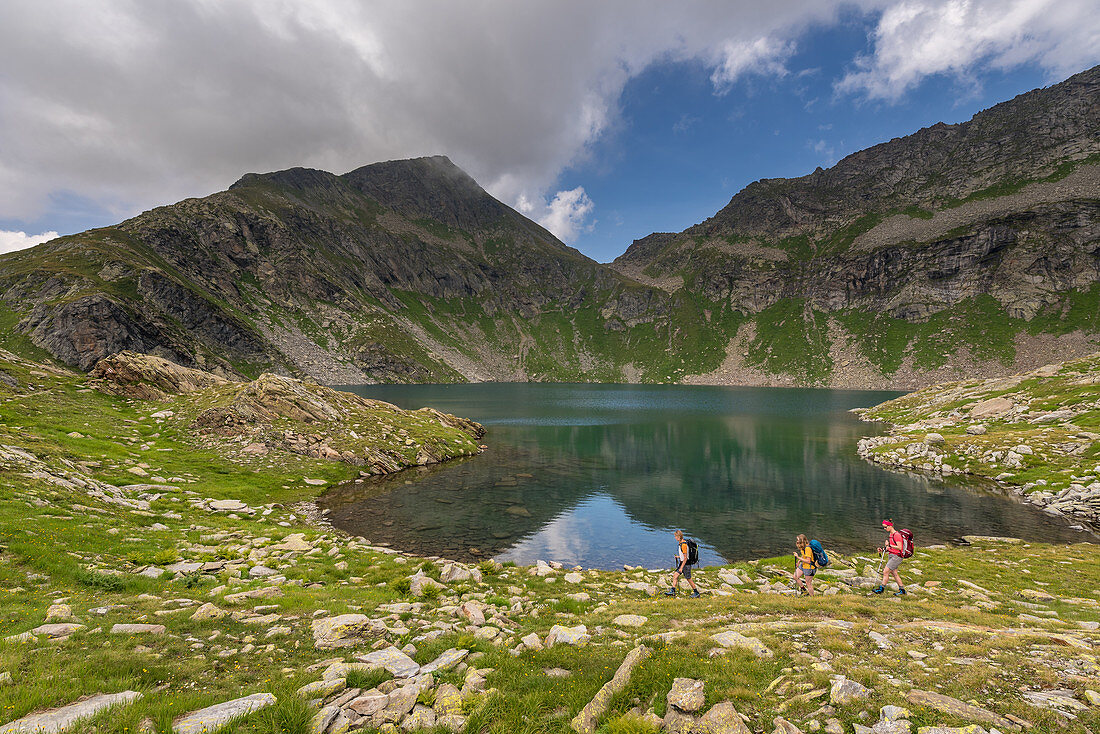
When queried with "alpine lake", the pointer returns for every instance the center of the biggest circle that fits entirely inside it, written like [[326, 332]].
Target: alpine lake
[[600, 476]]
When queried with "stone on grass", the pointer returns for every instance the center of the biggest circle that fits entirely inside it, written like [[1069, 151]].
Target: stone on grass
[[344, 630], [722, 718], [532, 642], [733, 638], [323, 719], [228, 505], [782, 726], [629, 620], [369, 702], [447, 660], [573, 577], [59, 611], [293, 542], [955, 707], [401, 702], [454, 572], [322, 688], [257, 572], [472, 611], [60, 629], [845, 691], [585, 721], [991, 408], [452, 722], [560, 635], [60, 719], [448, 700], [421, 717], [207, 611], [419, 583], [138, 629], [396, 662], [686, 695], [214, 717]]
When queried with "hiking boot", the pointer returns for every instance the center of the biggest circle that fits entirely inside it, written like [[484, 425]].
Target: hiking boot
[[670, 592], [695, 594], [900, 592], [878, 589]]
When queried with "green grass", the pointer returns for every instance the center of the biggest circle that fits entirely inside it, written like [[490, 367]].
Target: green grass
[[791, 339]]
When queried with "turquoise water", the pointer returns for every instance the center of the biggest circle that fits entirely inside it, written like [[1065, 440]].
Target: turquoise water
[[600, 475]]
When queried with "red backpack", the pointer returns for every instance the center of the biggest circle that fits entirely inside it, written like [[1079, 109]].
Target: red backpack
[[907, 542]]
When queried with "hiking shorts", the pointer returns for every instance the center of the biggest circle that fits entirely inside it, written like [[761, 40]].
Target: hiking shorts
[[686, 572], [893, 563], [808, 571]]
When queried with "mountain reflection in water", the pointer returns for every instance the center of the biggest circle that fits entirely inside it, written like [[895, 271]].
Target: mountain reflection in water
[[599, 475]]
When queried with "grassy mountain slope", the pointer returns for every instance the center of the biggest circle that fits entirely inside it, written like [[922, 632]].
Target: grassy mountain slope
[[975, 245]]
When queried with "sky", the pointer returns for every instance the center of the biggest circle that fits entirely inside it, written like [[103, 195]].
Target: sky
[[602, 121]]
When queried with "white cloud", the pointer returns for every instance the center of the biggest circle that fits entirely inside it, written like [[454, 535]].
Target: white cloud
[[763, 55], [566, 214], [137, 104], [918, 38], [12, 241]]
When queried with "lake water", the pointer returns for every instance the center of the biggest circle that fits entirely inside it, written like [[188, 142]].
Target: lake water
[[600, 475]]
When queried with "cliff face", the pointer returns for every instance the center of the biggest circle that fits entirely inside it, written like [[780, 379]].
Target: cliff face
[[958, 250], [910, 251]]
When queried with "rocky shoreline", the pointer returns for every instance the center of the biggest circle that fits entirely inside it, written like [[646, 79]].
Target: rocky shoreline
[[1024, 433]]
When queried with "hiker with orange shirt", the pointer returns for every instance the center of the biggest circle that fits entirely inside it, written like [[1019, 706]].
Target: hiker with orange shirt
[[687, 554]]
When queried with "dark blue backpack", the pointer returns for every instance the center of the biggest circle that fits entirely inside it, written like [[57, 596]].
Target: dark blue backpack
[[820, 557]]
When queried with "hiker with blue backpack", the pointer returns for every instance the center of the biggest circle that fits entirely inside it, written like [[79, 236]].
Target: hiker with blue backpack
[[809, 558]]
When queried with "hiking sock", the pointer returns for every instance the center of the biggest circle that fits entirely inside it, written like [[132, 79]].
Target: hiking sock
[[878, 589]]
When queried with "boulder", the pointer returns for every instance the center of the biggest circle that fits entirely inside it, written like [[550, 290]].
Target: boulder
[[419, 583], [722, 718], [345, 630], [447, 660], [955, 707], [369, 702], [396, 662], [60, 719], [991, 408], [686, 695], [560, 635], [214, 717], [448, 701], [138, 629], [845, 691], [629, 620], [421, 717], [733, 638], [207, 611], [472, 611], [585, 721]]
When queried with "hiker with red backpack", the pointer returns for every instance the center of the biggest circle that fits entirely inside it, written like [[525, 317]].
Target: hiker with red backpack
[[899, 546], [687, 555]]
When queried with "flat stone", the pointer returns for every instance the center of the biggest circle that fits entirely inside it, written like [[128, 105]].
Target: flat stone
[[268, 592], [448, 701], [585, 722], [257, 572], [971, 729], [323, 719], [955, 707], [57, 629], [369, 702], [396, 662], [629, 620], [59, 611], [208, 611], [65, 717], [138, 629], [454, 572], [532, 642], [228, 505], [686, 695], [419, 583], [421, 717], [573, 577], [560, 635], [452, 722], [782, 726], [447, 660], [322, 688], [345, 630], [293, 542], [722, 718], [732, 638], [401, 702], [991, 408], [213, 717]]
